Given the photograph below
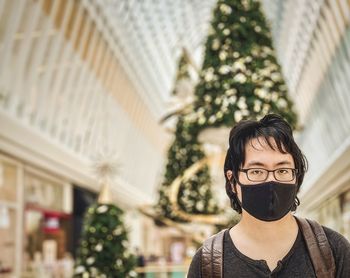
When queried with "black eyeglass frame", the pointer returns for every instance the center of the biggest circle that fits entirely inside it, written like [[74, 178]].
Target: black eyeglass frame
[[294, 173]]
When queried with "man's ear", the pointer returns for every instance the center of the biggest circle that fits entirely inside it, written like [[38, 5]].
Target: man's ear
[[229, 175]]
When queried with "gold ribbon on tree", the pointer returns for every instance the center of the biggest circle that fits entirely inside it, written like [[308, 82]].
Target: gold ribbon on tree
[[212, 219]]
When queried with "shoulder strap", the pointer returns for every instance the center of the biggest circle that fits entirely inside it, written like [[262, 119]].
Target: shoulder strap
[[318, 247], [212, 256]]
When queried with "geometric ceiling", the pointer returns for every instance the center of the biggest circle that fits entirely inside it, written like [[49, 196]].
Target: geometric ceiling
[[149, 36]]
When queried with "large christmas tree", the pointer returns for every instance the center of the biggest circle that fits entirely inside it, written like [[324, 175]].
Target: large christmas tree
[[103, 251], [240, 79]]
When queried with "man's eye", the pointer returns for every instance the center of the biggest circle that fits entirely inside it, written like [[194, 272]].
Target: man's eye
[[282, 171], [256, 172]]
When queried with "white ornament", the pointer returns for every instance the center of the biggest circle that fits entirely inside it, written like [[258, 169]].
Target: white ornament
[[248, 59], [254, 77], [275, 76], [268, 84], [102, 209], [219, 115], [242, 103], [274, 96], [222, 55], [215, 44], [261, 92], [240, 77], [282, 103], [119, 262], [125, 244], [257, 29], [226, 31], [239, 65], [266, 108], [238, 116], [225, 9], [212, 119], [267, 50], [99, 247], [231, 92], [242, 19], [201, 120], [209, 75], [200, 206], [207, 98], [225, 104], [225, 69], [79, 269], [118, 231], [90, 260], [232, 99], [257, 105], [245, 112], [218, 100]]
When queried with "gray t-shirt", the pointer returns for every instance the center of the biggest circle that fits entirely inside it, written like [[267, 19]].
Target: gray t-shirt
[[296, 263]]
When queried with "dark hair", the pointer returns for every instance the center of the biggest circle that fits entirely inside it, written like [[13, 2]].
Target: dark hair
[[271, 126]]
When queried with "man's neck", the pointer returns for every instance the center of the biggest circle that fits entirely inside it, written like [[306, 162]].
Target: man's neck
[[262, 230]]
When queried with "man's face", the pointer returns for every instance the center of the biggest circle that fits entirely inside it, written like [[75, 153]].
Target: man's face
[[258, 154]]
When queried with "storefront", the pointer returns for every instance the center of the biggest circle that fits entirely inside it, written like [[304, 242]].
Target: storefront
[[35, 221], [47, 223], [11, 215]]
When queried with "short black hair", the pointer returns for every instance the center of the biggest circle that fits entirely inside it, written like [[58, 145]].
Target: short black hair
[[270, 126]]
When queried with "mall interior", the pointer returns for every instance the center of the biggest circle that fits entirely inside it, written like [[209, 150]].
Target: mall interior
[[96, 96]]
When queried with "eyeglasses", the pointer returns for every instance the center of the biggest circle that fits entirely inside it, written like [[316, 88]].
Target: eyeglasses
[[259, 174]]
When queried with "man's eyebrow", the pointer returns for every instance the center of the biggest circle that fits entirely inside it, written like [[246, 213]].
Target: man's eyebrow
[[255, 163], [260, 164], [285, 162]]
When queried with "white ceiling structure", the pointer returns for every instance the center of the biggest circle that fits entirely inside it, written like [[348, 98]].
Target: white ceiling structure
[[312, 40], [81, 78], [150, 36]]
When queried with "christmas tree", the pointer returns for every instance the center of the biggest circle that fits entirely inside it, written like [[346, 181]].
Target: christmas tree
[[103, 249], [240, 79], [195, 195]]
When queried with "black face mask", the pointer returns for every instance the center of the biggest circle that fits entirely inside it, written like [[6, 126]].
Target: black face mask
[[268, 201]]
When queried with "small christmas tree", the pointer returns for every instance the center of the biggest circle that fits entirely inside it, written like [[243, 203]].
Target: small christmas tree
[[103, 251], [103, 248]]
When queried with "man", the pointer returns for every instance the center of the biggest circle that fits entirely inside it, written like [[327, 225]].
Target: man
[[264, 169]]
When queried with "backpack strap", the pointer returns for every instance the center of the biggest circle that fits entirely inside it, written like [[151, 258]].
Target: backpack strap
[[212, 256], [318, 247]]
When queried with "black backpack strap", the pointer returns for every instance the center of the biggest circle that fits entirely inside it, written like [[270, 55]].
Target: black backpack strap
[[318, 247], [212, 256]]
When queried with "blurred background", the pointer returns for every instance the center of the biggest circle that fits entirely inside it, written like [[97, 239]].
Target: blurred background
[[115, 115]]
